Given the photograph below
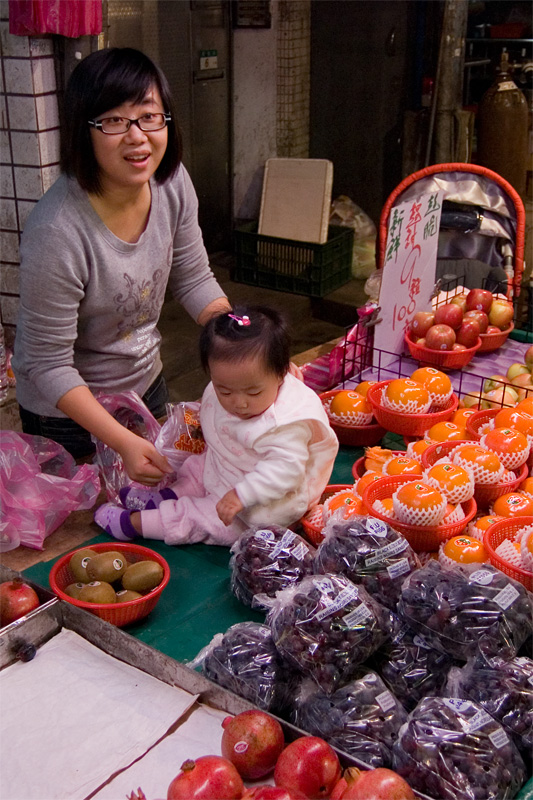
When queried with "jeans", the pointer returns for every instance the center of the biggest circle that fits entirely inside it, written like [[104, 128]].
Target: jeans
[[75, 439]]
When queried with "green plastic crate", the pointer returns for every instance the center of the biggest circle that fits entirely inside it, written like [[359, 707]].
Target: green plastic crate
[[290, 266]]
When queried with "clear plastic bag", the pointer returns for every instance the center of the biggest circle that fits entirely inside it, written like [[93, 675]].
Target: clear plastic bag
[[464, 614], [450, 749], [265, 560], [128, 409], [368, 551], [40, 484], [504, 689], [362, 718], [245, 661], [181, 434], [346, 213], [326, 626]]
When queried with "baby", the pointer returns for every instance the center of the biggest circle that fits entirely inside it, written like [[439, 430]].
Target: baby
[[269, 446]]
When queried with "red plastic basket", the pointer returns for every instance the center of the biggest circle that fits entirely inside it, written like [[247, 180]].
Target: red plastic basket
[[484, 493], [492, 341], [443, 359], [118, 614], [506, 529], [407, 424], [352, 435], [422, 538], [312, 523], [478, 420]]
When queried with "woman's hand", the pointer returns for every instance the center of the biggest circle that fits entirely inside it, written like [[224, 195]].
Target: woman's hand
[[143, 462], [229, 506]]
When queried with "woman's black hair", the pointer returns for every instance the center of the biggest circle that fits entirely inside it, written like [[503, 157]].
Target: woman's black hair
[[247, 331], [99, 83]]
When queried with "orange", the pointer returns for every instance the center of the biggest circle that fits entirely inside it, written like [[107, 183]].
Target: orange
[[375, 457], [407, 396], [525, 541], [461, 416], [527, 487], [453, 481], [485, 465], [345, 497], [514, 418], [478, 526], [526, 405], [363, 387], [368, 478], [510, 445], [417, 503], [415, 449], [464, 550], [436, 382], [384, 507], [513, 504], [445, 432], [402, 465], [346, 403]]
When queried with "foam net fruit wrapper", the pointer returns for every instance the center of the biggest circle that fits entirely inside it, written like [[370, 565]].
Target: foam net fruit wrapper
[[418, 516], [508, 551]]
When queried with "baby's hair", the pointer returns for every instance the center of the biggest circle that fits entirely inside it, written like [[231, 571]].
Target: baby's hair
[[247, 331]]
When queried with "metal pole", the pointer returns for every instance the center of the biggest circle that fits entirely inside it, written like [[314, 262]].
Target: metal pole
[[450, 87]]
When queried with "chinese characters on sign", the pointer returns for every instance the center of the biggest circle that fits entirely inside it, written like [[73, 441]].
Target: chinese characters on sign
[[408, 272]]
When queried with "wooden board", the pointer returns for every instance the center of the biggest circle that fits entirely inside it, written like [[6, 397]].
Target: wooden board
[[296, 199]]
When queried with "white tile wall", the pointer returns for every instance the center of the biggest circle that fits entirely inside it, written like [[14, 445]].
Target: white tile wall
[[25, 208], [8, 214], [47, 111], [41, 46], [18, 75], [13, 45], [9, 279], [9, 305], [3, 114], [50, 175], [28, 181], [6, 181], [9, 244], [49, 147], [22, 113], [44, 78], [25, 148], [5, 153]]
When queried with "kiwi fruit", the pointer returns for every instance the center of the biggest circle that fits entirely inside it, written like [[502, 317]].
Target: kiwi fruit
[[143, 576], [127, 594], [108, 566], [97, 592], [78, 563], [73, 589]]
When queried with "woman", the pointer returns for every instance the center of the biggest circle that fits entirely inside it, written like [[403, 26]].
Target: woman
[[97, 254]]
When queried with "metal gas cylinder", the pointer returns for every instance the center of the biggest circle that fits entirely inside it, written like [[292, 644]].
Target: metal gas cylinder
[[503, 129]]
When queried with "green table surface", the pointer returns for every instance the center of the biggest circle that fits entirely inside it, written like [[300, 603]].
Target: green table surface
[[197, 603]]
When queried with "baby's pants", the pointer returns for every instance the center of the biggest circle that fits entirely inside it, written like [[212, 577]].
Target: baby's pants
[[193, 516]]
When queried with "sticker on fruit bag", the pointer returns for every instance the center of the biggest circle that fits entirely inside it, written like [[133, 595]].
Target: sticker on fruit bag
[[479, 720], [400, 568], [376, 526], [421, 642], [499, 738], [389, 550], [324, 585], [506, 596], [299, 552], [386, 700], [343, 598], [357, 616], [283, 544], [265, 536], [482, 576], [240, 747]]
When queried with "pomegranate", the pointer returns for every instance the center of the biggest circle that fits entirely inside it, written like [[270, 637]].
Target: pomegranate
[[265, 792], [372, 784], [206, 778], [252, 741], [308, 765], [16, 600]]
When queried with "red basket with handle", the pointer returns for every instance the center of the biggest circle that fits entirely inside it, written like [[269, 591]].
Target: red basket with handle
[[476, 422], [493, 341], [118, 614], [312, 522], [352, 435], [495, 535], [412, 425], [422, 538], [442, 359]]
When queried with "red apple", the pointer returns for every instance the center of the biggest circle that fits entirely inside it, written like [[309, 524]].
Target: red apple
[[421, 322], [468, 333], [459, 300], [458, 347], [422, 341], [479, 300], [481, 318], [449, 314], [501, 314], [492, 329], [440, 337]]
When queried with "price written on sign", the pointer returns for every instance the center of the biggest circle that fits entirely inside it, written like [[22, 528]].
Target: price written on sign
[[408, 277]]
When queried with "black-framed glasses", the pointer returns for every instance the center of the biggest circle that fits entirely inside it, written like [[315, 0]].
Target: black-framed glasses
[[148, 122]]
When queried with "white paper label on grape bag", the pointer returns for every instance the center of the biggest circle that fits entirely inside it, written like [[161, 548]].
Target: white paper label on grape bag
[[376, 526], [461, 706], [383, 553], [479, 720], [299, 552], [420, 642], [342, 599], [355, 617], [400, 568], [482, 576], [386, 700], [499, 738], [506, 597], [283, 544], [324, 585], [267, 536]]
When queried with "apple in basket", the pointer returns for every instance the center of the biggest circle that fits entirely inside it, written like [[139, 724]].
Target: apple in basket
[[501, 314], [528, 357], [440, 337], [449, 314], [468, 333], [459, 300], [479, 299], [481, 318], [421, 323]]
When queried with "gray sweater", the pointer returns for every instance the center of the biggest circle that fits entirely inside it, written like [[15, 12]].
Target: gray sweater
[[90, 302]]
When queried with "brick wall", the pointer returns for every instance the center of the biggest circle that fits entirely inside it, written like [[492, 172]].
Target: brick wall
[[29, 147], [293, 78]]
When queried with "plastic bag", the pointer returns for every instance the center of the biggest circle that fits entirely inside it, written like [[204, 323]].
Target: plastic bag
[[128, 409], [361, 718], [450, 749], [505, 690], [64, 17], [180, 435], [40, 484], [463, 614], [410, 667], [265, 560], [325, 626], [368, 551], [245, 661], [346, 213]]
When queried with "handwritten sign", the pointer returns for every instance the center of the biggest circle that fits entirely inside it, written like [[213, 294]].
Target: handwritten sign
[[409, 270]]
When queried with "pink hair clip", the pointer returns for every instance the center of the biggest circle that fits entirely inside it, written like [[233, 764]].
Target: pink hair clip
[[240, 320]]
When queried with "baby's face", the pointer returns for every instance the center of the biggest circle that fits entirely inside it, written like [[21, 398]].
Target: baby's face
[[244, 388]]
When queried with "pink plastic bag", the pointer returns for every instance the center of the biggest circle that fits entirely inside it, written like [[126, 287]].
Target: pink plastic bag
[[181, 434], [40, 484], [71, 18], [128, 409]]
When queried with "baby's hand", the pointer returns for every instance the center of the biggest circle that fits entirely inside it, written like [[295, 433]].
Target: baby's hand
[[229, 506]]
